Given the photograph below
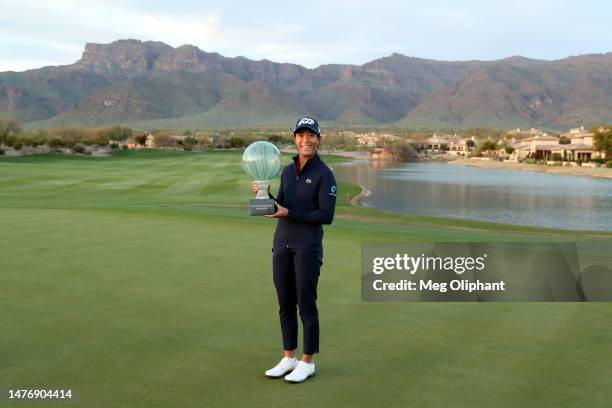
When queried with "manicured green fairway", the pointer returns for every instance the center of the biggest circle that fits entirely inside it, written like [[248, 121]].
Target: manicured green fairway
[[139, 280]]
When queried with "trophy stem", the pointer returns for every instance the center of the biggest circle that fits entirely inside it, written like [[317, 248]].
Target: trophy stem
[[262, 186]]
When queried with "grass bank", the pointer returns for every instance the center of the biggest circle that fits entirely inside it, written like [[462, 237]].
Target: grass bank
[[139, 280]]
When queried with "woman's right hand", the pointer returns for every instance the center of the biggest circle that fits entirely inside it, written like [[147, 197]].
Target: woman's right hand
[[256, 189]]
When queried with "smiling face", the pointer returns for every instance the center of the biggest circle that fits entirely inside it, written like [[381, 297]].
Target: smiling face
[[306, 142]]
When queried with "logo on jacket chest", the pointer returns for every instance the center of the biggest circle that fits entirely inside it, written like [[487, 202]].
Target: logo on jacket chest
[[308, 181]]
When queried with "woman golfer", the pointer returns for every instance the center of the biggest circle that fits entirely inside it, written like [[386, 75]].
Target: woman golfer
[[306, 200]]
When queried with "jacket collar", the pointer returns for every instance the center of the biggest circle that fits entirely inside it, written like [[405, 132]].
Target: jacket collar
[[314, 159]]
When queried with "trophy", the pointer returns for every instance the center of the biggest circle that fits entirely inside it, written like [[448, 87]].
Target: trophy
[[262, 161]]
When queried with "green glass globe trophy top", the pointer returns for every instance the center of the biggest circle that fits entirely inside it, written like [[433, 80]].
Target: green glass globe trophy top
[[262, 161]]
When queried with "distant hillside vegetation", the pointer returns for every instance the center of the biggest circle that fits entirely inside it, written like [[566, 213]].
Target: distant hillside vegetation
[[151, 84]]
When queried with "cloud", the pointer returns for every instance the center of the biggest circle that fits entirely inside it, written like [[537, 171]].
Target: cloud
[[320, 32]]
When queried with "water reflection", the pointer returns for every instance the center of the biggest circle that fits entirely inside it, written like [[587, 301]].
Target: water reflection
[[381, 164], [508, 196]]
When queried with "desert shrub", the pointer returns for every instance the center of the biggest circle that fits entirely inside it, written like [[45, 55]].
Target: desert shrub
[[141, 139], [56, 142], [276, 138], [10, 141], [9, 128], [190, 141], [114, 133], [237, 142], [79, 148], [402, 149]]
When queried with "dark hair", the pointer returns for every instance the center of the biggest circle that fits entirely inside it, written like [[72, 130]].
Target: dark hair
[[308, 129]]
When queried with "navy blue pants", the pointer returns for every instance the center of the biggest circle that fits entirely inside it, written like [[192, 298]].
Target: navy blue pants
[[296, 273]]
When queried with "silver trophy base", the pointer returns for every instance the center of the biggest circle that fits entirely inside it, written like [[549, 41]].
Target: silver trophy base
[[262, 206]]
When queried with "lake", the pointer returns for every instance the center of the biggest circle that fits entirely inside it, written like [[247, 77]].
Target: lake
[[498, 195]]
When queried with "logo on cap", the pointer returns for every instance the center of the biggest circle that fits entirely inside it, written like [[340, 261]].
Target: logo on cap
[[309, 123], [305, 121]]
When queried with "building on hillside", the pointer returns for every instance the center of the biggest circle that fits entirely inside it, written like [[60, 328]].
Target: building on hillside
[[437, 144], [374, 139], [544, 147], [519, 133], [581, 146], [461, 147], [540, 146]]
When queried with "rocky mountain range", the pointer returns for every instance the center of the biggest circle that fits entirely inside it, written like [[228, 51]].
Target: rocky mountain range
[[153, 85]]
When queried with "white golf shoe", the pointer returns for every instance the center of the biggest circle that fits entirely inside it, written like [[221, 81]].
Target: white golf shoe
[[301, 372], [283, 367]]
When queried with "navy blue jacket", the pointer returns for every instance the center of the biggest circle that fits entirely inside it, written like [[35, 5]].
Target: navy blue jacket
[[310, 198]]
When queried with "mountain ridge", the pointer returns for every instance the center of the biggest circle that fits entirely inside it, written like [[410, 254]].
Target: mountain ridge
[[131, 81]]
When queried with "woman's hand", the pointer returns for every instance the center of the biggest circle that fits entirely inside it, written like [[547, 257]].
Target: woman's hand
[[255, 188], [281, 212]]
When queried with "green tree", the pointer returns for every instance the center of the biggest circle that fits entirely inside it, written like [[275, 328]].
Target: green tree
[[56, 142], [120, 133], [72, 135], [79, 148], [141, 139], [190, 141], [275, 138], [602, 140], [163, 140], [235, 141], [488, 145], [8, 127], [40, 138], [10, 140], [27, 139], [402, 148]]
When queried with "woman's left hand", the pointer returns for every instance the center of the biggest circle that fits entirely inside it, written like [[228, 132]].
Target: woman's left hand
[[281, 212]]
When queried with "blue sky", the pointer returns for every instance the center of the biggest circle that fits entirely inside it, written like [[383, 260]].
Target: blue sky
[[38, 33]]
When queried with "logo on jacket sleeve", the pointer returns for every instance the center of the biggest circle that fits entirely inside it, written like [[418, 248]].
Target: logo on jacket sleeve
[[332, 190]]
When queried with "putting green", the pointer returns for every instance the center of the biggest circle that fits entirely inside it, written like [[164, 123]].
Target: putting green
[[139, 280]]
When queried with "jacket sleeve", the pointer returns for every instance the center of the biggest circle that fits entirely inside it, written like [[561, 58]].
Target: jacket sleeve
[[280, 198], [327, 203]]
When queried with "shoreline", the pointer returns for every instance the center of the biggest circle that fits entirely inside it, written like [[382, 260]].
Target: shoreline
[[601, 172], [354, 201], [366, 214]]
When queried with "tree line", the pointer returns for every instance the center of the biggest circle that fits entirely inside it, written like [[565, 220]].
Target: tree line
[[13, 135]]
